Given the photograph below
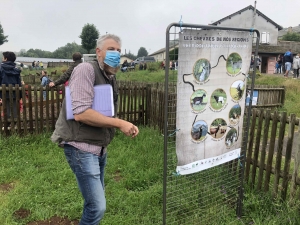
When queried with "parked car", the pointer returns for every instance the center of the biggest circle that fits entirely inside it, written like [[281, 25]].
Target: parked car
[[18, 65], [145, 59]]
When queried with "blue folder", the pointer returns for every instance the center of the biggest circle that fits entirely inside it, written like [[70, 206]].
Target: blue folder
[[102, 103]]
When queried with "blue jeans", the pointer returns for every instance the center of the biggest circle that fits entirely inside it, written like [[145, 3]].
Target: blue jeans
[[89, 171]]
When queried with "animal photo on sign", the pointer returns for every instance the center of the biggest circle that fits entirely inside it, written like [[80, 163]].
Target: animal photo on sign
[[218, 128], [202, 70], [199, 100], [218, 99], [199, 130], [235, 114], [237, 90], [234, 63], [231, 137]]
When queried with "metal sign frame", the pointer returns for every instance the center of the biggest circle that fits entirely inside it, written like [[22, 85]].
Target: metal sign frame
[[239, 201]]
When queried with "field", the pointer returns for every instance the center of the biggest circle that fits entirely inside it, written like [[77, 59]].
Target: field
[[37, 186]]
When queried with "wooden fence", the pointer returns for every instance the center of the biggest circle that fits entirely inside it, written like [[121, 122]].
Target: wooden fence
[[269, 162], [269, 96], [58, 64], [273, 149]]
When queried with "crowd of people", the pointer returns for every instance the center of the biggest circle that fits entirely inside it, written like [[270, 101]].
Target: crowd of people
[[286, 63], [37, 65]]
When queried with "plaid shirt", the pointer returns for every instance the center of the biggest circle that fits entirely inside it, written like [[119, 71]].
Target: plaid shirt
[[81, 86]]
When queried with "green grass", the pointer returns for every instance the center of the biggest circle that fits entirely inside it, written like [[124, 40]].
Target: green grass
[[41, 181], [292, 90]]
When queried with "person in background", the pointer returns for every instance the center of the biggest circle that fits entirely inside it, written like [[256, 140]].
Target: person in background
[[288, 59], [124, 66], [145, 66], [258, 62], [45, 80], [41, 65], [296, 66], [86, 138], [77, 59], [33, 64], [279, 64], [10, 74], [37, 65], [141, 66]]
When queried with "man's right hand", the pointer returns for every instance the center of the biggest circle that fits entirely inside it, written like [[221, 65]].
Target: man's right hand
[[51, 84]]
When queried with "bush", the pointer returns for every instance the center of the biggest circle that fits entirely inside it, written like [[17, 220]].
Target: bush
[[153, 66]]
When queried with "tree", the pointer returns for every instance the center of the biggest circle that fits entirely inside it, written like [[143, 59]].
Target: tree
[[173, 54], [3, 38], [67, 51], [291, 36], [130, 55], [89, 36], [142, 52]]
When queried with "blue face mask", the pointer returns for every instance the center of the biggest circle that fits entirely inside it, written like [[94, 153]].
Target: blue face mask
[[112, 58]]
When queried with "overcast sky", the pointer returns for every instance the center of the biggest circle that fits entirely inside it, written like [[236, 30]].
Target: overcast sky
[[50, 24]]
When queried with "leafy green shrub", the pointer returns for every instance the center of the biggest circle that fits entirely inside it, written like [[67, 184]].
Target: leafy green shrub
[[154, 66]]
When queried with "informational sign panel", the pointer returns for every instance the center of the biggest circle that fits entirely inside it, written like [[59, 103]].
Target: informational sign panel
[[211, 90]]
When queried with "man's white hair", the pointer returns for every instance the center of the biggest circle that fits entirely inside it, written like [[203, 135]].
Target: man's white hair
[[101, 40]]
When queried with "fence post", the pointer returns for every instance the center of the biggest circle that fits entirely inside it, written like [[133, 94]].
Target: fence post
[[288, 156], [250, 145], [271, 150], [296, 166], [148, 104], [279, 153], [263, 149]]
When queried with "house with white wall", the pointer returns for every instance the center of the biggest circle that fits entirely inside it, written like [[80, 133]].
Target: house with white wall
[[250, 17], [269, 47]]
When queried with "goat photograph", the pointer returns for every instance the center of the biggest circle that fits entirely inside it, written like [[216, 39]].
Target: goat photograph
[[199, 130], [234, 64], [218, 128], [218, 99], [234, 114], [237, 90], [202, 70], [199, 100]]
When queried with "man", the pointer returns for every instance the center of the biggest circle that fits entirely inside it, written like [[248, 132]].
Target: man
[[288, 59], [86, 138], [66, 76], [10, 74], [124, 66]]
